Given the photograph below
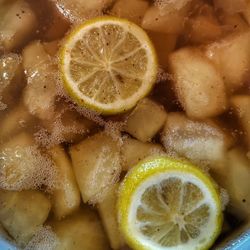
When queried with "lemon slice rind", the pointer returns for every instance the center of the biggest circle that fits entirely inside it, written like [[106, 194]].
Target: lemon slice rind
[[120, 105], [153, 171]]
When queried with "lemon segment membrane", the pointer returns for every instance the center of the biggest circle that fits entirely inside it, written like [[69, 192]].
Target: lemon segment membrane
[[169, 204], [108, 64]]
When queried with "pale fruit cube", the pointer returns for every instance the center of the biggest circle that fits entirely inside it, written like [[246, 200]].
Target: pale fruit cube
[[66, 198], [246, 12], [230, 6], [79, 231], [133, 151], [145, 120], [233, 22], [12, 174], [97, 166], [241, 106], [168, 18], [40, 92], [17, 22], [14, 121], [236, 181], [22, 213], [202, 29], [198, 84], [11, 79], [107, 210], [51, 47], [164, 44], [231, 56], [202, 142], [132, 10], [77, 11], [24, 166]]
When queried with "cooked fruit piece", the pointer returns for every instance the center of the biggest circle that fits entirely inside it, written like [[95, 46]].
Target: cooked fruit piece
[[79, 231], [246, 12], [77, 11], [231, 56], [66, 198], [230, 6], [40, 92], [22, 213], [241, 105], [23, 166], [132, 10], [169, 204], [96, 163], [202, 29], [198, 84], [17, 22], [51, 47], [236, 181], [108, 212], [108, 64], [133, 151], [202, 142], [233, 22], [145, 120], [14, 121], [11, 79], [164, 44], [168, 18]]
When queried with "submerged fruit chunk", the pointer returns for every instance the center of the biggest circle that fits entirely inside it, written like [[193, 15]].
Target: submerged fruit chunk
[[132, 10], [40, 92], [198, 84], [231, 56], [236, 181], [108, 212], [66, 198], [202, 142], [169, 204], [11, 79], [241, 106], [97, 166], [79, 231], [166, 18], [145, 120], [23, 213], [108, 64], [17, 22], [133, 151]]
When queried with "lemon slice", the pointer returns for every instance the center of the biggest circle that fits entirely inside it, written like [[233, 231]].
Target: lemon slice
[[108, 64], [169, 204]]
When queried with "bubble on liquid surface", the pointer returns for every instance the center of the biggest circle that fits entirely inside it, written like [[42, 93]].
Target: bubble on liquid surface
[[23, 168], [44, 239]]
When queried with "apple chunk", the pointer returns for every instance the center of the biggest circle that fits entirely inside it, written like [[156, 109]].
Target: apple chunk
[[23, 213], [66, 198], [145, 120], [231, 56], [79, 231], [198, 84], [97, 166]]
